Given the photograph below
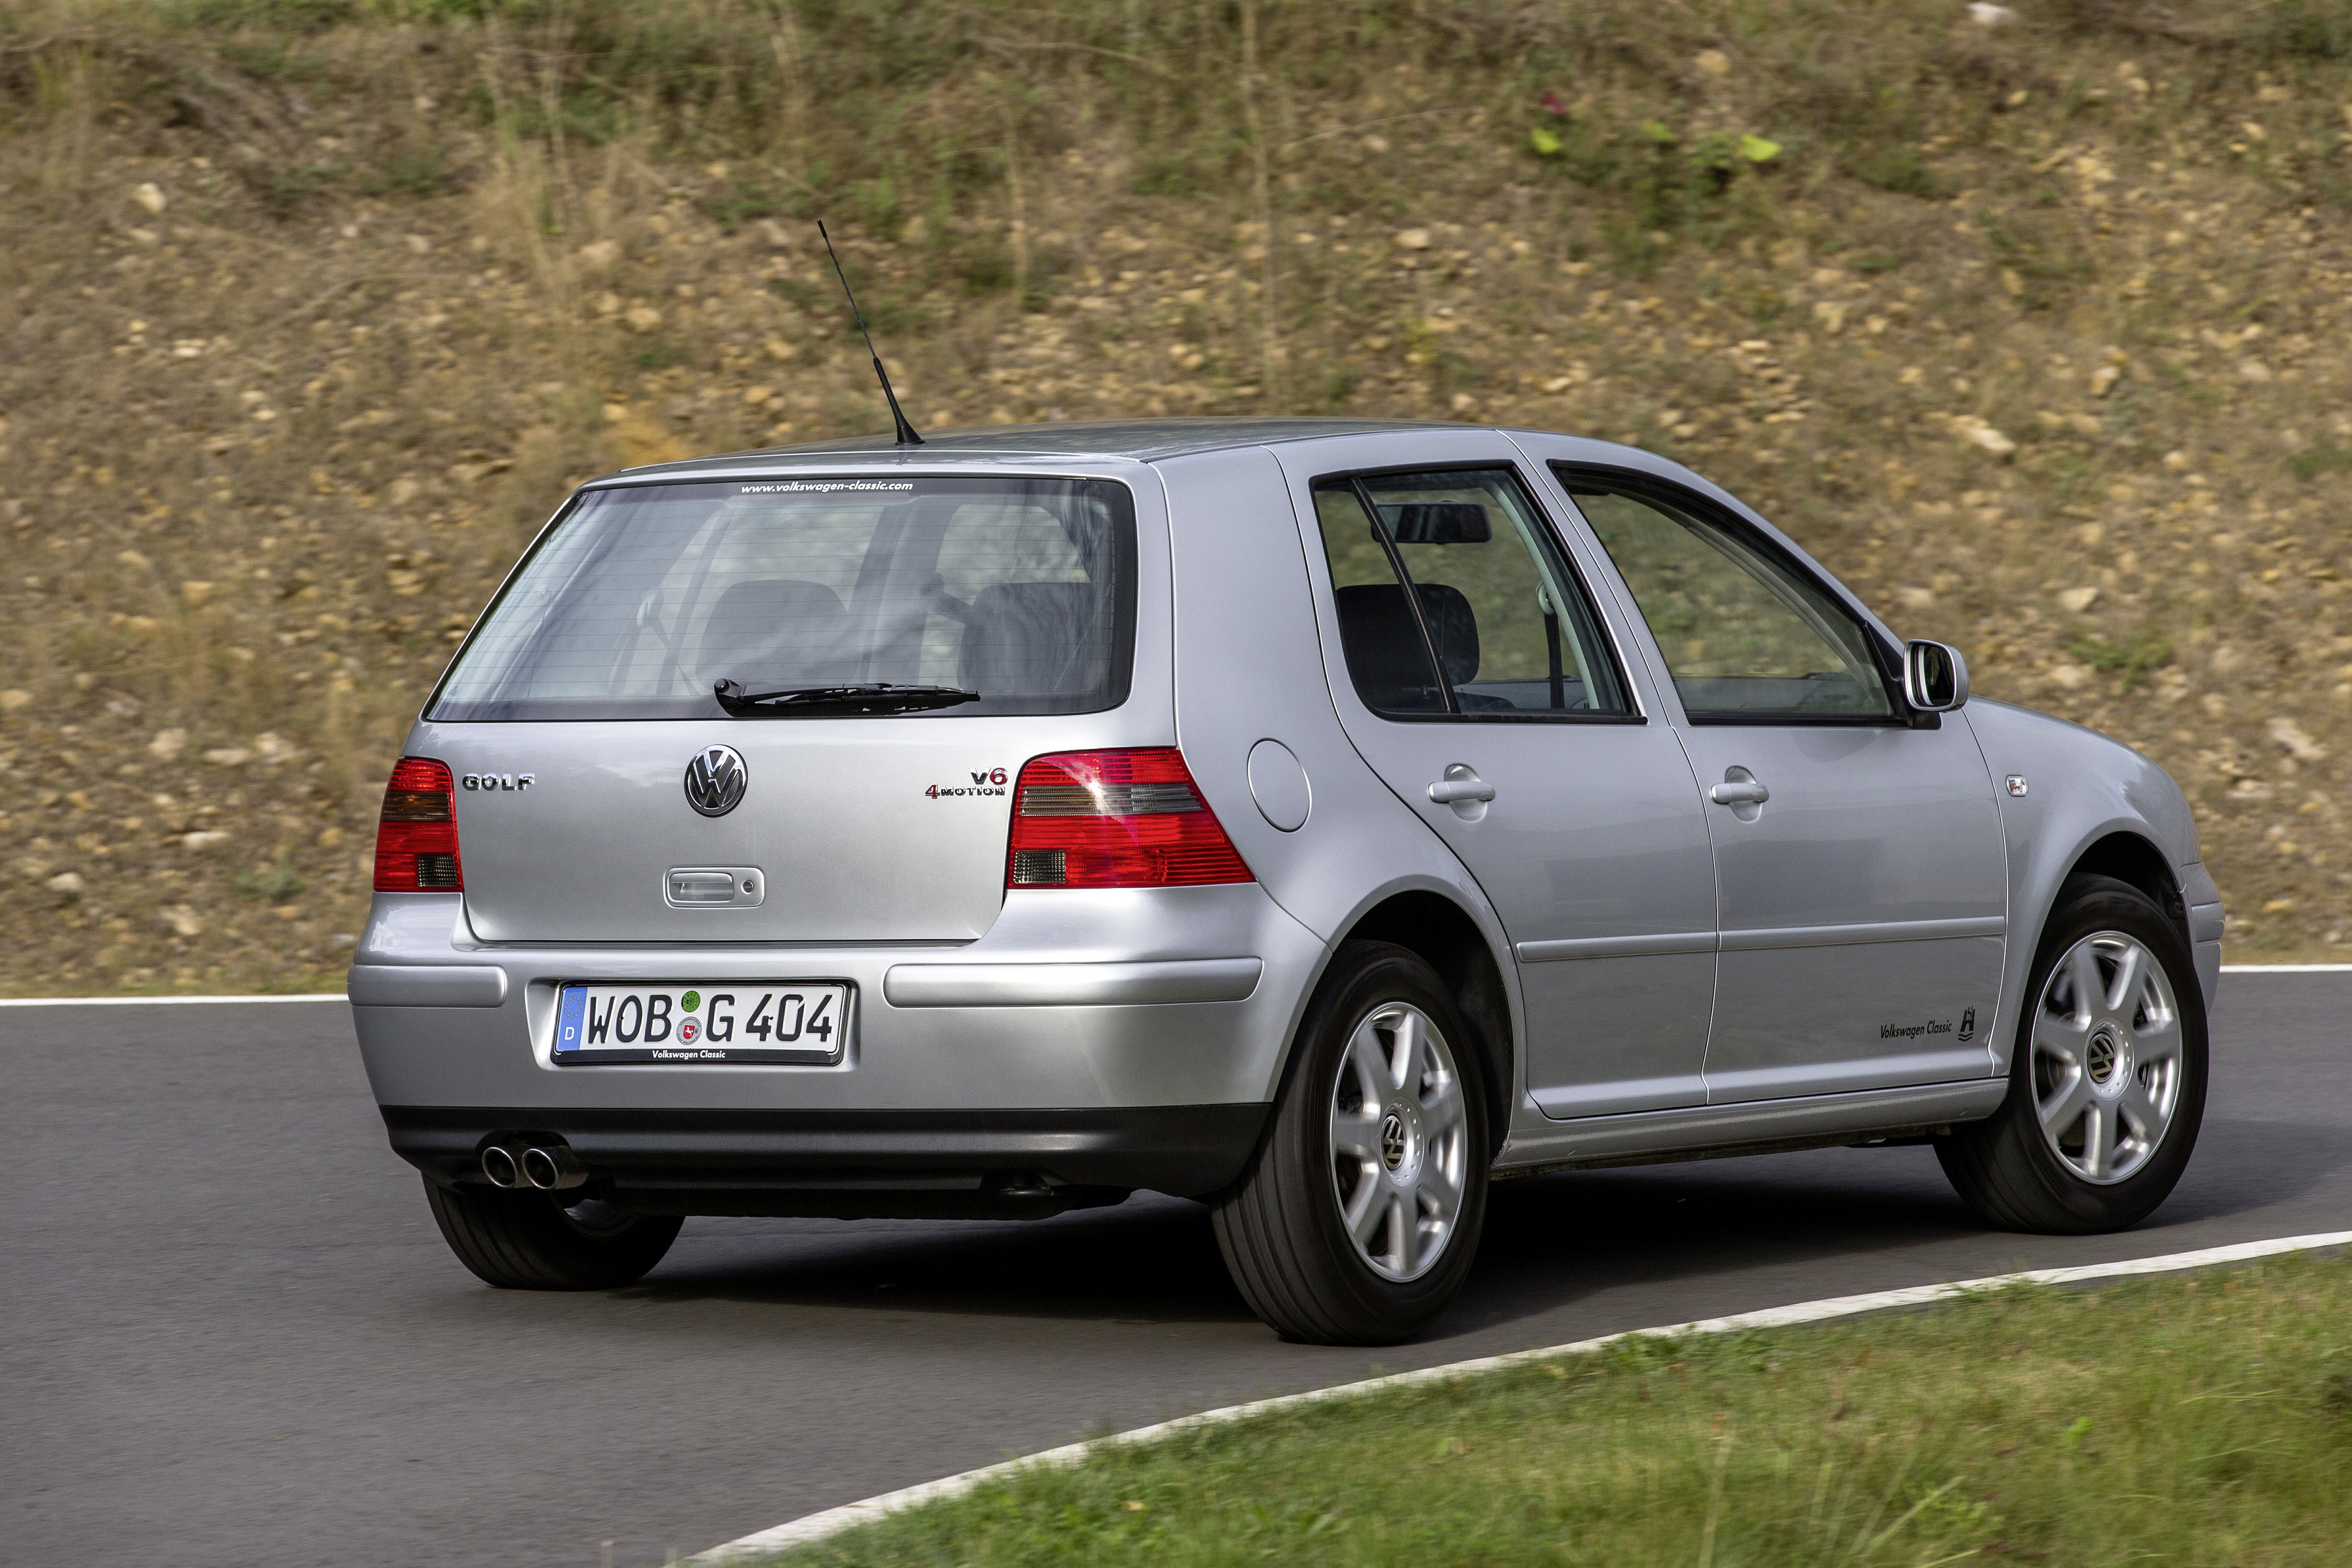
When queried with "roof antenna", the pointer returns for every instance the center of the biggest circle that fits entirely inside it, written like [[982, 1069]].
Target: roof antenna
[[907, 436]]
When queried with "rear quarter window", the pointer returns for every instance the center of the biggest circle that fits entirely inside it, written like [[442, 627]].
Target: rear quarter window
[[640, 599]]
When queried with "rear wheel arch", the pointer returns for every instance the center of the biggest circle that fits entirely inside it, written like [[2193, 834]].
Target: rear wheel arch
[[1449, 941]]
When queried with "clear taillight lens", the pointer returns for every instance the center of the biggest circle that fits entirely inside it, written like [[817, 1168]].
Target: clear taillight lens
[[1117, 819], [416, 839]]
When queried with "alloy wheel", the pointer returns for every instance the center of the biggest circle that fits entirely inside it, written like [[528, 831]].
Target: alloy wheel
[[1400, 1141], [2106, 1063]]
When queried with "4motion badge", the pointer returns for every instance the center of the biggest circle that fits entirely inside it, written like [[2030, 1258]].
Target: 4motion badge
[[715, 781]]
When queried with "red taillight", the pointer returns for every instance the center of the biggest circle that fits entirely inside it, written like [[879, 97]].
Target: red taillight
[[416, 839], [1115, 819]]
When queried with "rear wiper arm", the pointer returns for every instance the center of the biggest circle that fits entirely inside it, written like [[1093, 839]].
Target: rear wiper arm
[[827, 702]]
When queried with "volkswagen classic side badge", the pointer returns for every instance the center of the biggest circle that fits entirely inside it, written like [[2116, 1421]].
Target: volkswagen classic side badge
[[715, 781]]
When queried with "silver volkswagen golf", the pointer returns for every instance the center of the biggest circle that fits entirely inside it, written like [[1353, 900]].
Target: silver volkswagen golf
[[1320, 819]]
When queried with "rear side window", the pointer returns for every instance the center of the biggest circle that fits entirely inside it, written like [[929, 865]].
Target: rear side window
[[1453, 601], [640, 599]]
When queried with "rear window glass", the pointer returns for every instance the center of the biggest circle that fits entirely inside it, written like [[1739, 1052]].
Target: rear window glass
[[640, 599]]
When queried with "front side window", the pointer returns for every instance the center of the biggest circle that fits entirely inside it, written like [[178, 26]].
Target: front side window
[[1745, 637], [1453, 601], [642, 598]]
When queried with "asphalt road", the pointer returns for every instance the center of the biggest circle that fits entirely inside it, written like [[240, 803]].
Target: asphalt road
[[230, 1334]]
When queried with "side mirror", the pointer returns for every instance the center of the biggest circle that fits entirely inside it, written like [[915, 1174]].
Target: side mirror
[[1934, 677]]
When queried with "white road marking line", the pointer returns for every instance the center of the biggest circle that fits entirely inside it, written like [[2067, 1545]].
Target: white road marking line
[[817, 1527], [2286, 968], [146, 1001]]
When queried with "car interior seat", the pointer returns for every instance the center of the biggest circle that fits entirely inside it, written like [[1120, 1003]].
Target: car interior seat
[[1383, 646], [775, 630], [1034, 639]]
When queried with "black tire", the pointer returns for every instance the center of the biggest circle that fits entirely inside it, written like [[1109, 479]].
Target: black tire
[[1281, 1227], [2004, 1166], [523, 1242]]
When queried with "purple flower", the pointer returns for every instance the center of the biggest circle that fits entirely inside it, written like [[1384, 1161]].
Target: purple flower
[[1552, 103]]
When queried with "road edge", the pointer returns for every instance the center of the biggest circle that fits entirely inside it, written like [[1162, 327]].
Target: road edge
[[815, 1527], [151, 1001]]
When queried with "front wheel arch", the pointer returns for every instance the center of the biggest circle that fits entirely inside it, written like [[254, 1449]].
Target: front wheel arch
[[2134, 859]]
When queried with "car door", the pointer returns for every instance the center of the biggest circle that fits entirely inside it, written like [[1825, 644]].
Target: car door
[[1860, 868], [1470, 669]]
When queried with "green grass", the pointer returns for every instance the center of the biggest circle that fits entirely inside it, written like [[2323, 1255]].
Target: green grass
[[2200, 1420]]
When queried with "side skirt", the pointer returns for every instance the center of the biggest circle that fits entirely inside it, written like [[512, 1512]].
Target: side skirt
[[1757, 1127]]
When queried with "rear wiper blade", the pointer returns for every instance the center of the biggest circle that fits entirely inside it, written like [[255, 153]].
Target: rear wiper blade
[[871, 697]]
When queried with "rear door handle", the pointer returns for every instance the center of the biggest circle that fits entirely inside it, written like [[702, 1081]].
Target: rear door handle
[[1745, 789], [1447, 791]]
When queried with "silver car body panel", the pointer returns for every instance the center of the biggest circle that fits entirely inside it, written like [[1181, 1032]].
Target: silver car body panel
[[1595, 836], [2080, 788], [1116, 1010], [1070, 985], [969, 997], [835, 814]]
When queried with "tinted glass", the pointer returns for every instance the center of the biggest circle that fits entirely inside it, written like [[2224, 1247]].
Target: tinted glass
[[1512, 631], [1743, 635], [1387, 658], [639, 600]]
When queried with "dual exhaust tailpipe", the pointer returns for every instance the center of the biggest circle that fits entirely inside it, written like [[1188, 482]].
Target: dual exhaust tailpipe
[[548, 1167]]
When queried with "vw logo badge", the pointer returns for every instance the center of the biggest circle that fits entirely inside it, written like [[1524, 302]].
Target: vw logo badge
[[1392, 1141], [715, 781]]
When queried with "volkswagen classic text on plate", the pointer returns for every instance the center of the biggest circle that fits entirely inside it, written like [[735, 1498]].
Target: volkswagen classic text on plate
[[1323, 820], [729, 1022]]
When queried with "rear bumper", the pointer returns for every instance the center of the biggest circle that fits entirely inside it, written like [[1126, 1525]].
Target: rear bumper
[[1076, 1001], [732, 1161]]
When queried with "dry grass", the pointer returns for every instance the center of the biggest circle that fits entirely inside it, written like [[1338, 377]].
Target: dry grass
[[2029, 331]]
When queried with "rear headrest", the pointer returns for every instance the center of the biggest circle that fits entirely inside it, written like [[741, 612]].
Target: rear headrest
[[1032, 638], [778, 627], [1383, 645], [770, 604]]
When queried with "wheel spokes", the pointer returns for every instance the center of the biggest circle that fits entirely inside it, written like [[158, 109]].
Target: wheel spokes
[[1402, 1231], [1357, 1133], [1397, 1065], [1364, 1211], [2138, 1106], [2157, 1042], [2098, 1138], [2122, 991], [1404, 1054], [2061, 1108], [1368, 1058], [2108, 999], [1438, 1185], [2057, 1035], [1442, 1109], [2090, 986]]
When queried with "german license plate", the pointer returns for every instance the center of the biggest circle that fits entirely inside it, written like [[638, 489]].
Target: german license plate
[[729, 1021]]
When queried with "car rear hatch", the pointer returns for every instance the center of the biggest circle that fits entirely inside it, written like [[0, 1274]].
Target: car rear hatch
[[898, 647]]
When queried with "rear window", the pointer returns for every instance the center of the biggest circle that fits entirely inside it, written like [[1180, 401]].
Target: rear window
[[639, 600]]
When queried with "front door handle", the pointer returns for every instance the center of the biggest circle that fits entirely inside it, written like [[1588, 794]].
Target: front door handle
[[1742, 791], [1450, 791]]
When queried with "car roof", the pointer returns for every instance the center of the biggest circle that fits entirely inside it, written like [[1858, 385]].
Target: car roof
[[1137, 440]]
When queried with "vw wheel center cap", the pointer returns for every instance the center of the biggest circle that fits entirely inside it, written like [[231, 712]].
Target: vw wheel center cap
[[715, 781]]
